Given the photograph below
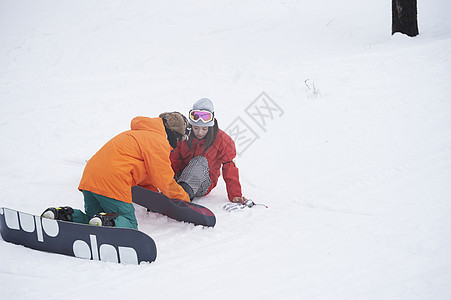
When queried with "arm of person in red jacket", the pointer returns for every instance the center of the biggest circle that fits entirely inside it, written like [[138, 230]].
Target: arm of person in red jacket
[[231, 178], [230, 170]]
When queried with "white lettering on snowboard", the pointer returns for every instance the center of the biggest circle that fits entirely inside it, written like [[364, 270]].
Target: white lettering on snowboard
[[107, 252], [30, 223]]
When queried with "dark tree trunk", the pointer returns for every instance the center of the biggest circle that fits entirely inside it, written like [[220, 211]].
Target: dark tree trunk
[[404, 17]]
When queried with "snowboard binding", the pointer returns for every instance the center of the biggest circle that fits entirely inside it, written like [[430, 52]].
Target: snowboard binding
[[104, 219], [63, 213]]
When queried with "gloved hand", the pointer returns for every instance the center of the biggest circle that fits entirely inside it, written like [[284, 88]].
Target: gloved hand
[[238, 206], [239, 199]]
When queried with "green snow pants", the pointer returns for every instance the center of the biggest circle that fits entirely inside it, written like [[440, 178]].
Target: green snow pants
[[95, 203]]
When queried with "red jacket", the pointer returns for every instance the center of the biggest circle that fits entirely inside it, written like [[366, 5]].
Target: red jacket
[[139, 156], [220, 154]]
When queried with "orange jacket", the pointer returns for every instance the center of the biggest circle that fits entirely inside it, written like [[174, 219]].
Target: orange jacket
[[139, 156]]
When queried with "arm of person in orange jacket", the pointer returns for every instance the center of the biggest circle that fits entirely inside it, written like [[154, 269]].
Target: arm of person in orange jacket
[[176, 161], [148, 185], [161, 175]]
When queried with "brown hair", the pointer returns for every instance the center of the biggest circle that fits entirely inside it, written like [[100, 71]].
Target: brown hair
[[210, 138]]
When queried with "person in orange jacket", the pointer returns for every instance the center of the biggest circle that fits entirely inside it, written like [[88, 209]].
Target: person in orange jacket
[[139, 156], [197, 161]]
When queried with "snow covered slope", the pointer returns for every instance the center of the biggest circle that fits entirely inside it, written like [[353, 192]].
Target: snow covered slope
[[355, 167]]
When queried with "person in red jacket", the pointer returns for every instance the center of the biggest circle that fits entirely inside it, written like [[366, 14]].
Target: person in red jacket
[[197, 161]]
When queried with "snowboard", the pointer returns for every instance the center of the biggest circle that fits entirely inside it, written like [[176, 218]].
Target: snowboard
[[110, 244], [173, 208]]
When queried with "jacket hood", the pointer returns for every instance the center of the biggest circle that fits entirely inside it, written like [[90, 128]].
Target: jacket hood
[[149, 124]]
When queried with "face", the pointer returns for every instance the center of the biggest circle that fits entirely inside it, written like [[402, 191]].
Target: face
[[200, 132]]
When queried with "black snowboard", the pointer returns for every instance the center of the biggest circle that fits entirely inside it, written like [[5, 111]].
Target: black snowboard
[[173, 208], [113, 244]]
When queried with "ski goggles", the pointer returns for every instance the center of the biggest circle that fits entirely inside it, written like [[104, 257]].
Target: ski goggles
[[200, 115]]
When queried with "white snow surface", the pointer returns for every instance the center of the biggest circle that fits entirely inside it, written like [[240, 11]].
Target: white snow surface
[[356, 172]]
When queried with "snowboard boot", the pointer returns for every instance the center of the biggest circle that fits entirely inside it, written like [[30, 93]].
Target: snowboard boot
[[63, 213], [104, 219]]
